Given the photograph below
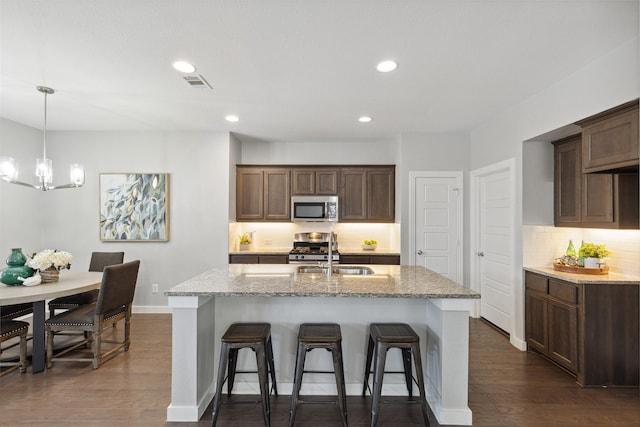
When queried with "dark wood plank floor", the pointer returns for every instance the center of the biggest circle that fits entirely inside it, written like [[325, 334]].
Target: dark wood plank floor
[[507, 388]]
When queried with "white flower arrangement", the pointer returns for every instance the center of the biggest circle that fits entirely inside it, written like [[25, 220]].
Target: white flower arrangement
[[50, 258]]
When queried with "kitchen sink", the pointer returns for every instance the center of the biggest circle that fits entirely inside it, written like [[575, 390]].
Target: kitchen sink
[[344, 269]]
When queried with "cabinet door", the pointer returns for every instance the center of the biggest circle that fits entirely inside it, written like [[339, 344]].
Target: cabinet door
[[304, 182], [563, 334], [567, 189], [385, 259], [316, 181], [353, 203], [249, 194], [354, 259], [597, 199], [381, 194], [243, 259], [536, 316], [277, 196], [274, 259], [367, 194], [326, 182], [611, 143]]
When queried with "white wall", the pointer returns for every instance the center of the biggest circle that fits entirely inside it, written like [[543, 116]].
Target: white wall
[[323, 152], [609, 81], [431, 152], [537, 183], [20, 207], [198, 164]]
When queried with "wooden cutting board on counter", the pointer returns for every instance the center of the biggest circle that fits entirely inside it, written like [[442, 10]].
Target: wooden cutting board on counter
[[580, 270]]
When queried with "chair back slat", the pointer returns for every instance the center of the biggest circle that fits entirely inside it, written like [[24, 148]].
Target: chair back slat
[[118, 286], [99, 260]]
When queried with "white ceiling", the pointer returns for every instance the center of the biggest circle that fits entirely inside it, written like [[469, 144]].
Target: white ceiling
[[294, 70]]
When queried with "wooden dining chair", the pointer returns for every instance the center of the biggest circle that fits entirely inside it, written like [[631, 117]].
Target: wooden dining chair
[[10, 312], [99, 260], [10, 329], [115, 299]]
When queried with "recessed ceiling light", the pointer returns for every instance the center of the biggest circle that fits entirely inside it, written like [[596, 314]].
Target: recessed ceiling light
[[232, 118], [184, 67], [386, 66], [364, 119]]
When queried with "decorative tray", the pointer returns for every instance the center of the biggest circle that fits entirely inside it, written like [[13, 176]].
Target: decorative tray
[[580, 270]]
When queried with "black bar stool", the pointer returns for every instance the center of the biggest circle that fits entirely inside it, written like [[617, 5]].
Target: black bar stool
[[382, 337], [256, 336], [329, 337]]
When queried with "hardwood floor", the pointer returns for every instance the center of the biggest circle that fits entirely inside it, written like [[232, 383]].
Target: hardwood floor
[[506, 388]]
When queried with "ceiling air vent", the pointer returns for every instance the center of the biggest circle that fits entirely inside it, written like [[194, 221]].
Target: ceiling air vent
[[197, 81]]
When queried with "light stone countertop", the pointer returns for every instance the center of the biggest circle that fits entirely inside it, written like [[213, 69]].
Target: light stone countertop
[[360, 251], [266, 250], [283, 280], [608, 279]]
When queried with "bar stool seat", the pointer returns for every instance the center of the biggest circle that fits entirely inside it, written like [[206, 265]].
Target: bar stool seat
[[256, 336], [382, 337], [329, 337]]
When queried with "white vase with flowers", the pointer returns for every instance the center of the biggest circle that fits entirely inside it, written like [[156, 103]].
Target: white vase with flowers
[[49, 262]]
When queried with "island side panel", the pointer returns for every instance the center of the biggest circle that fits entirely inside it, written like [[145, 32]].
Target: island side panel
[[353, 315], [192, 363], [447, 360]]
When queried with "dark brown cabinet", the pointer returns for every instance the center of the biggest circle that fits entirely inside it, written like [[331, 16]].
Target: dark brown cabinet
[[258, 259], [610, 140], [367, 194], [314, 181], [551, 320], [590, 329], [601, 200], [263, 194], [373, 259]]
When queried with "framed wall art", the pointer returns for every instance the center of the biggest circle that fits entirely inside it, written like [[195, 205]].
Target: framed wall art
[[134, 207]]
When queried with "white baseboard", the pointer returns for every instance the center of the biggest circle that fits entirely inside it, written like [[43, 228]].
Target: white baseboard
[[152, 309]]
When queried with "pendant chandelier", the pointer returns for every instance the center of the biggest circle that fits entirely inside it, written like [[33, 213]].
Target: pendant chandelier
[[44, 166]]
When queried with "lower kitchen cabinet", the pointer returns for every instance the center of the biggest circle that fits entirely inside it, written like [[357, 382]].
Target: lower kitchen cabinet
[[591, 330], [373, 259], [258, 259]]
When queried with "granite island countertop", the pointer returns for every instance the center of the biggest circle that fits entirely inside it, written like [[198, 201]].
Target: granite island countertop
[[283, 280], [608, 279]]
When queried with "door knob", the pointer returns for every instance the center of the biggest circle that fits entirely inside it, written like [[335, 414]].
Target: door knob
[[420, 252], [480, 253]]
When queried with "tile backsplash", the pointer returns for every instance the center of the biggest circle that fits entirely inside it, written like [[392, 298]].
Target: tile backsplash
[[542, 244], [280, 235]]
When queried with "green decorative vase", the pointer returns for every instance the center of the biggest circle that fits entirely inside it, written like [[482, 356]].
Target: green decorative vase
[[16, 268]]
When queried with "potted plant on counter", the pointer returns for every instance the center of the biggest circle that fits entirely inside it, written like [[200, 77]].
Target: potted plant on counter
[[593, 255], [245, 241]]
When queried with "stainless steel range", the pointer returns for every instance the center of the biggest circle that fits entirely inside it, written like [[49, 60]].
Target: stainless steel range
[[314, 247]]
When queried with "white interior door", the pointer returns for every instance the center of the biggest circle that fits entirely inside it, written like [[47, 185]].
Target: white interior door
[[493, 207], [437, 222]]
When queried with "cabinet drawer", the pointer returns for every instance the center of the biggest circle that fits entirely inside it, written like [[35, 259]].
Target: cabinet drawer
[[536, 282], [563, 291]]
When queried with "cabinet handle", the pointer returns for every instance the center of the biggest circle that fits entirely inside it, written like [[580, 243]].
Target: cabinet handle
[[420, 252], [480, 254]]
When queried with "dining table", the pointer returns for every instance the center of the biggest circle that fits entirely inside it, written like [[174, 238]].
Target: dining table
[[69, 283]]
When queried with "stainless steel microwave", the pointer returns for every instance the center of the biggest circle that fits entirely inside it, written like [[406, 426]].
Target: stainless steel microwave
[[314, 208]]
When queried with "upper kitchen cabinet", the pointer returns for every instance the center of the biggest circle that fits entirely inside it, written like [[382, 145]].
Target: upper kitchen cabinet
[[367, 194], [314, 181], [610, 140], [602, 200], [263, 193]]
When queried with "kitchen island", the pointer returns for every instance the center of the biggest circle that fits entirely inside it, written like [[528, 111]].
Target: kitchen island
[[436, 307]]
